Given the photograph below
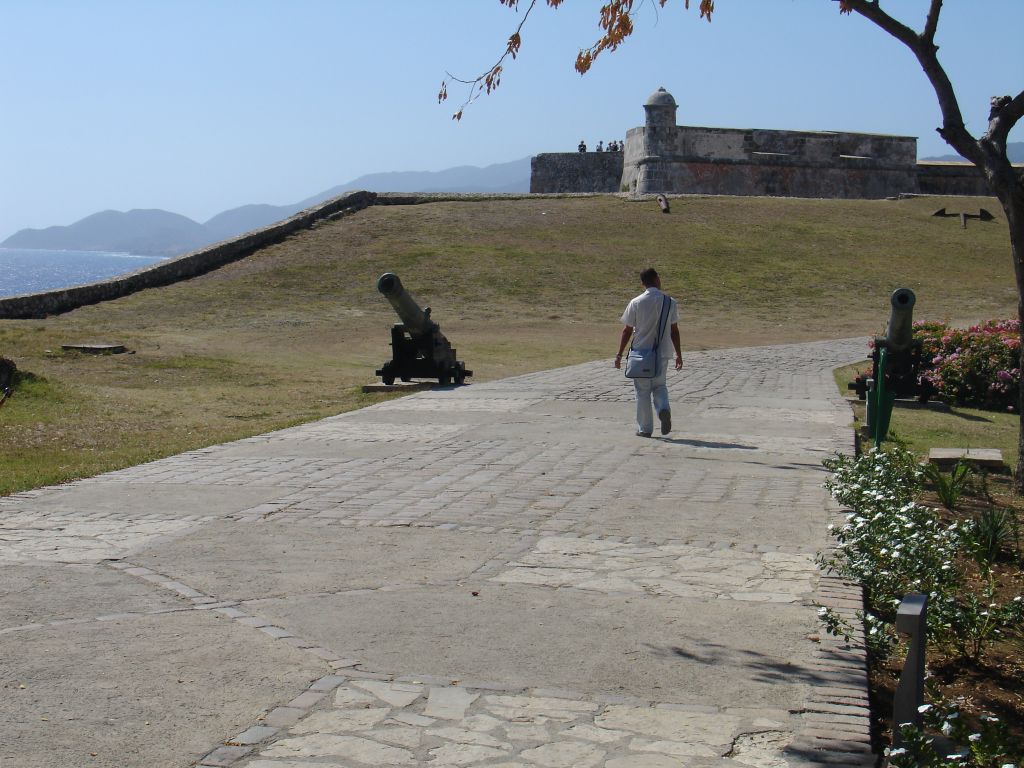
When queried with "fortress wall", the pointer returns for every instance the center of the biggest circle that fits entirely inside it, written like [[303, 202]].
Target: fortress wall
[[734, 161], [787, 180], [180, 267], [952, 179], [898, 151], [804, 147], [558, 172]]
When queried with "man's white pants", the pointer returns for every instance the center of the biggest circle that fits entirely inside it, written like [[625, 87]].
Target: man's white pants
[[655, 389]]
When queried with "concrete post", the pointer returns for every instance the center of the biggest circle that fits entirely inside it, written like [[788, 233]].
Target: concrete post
[[911, 620]]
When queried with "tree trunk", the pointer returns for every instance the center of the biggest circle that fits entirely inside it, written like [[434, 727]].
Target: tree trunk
[[1014, 209], [1007, 183]]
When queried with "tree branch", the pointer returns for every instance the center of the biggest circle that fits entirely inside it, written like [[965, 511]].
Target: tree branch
[[953, 129], [1003, 118], [932, 22], [491, 79]]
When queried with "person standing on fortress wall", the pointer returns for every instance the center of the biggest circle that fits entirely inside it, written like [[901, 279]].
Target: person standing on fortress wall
[[600, 148], [641, 319], [582, 147]]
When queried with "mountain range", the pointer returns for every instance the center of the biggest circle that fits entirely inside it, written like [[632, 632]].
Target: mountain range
[[1014, 152], [154, 232]]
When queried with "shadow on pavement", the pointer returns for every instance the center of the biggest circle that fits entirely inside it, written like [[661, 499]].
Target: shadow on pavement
[[706, 444], [762, 668]]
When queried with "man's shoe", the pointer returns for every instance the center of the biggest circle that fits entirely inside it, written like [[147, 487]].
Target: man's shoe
[[643, 434], [666, 421]]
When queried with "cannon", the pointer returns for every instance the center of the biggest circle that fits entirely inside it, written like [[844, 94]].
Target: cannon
[[418, 348], [896, 366]]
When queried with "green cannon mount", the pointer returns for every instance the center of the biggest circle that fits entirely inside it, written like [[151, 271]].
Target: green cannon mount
[[896, 367], [418, 348]]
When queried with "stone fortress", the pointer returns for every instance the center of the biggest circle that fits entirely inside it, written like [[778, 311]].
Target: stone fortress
[[663, 157]]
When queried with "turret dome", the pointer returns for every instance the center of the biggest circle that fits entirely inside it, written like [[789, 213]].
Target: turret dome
[[660, 98]]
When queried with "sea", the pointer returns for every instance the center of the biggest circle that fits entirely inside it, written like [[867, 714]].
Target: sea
[[25, 270]]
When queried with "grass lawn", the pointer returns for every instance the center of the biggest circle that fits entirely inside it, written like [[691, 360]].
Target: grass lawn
[[921, 427], [290, 333]]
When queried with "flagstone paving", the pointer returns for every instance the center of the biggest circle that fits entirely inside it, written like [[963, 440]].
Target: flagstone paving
[[495, 575]]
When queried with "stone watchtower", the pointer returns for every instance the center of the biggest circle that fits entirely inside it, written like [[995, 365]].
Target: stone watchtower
[[660, 109], [652, 150]]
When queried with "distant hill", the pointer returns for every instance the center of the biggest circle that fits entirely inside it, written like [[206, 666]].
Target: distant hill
[[161, 233], [502, 177], [149, 232], [1014, 151], [247, 218]]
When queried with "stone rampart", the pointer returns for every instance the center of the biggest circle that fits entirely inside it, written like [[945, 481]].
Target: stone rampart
[[782, 179], [177, 268], [952, 179], [790, 147], [555, 172]]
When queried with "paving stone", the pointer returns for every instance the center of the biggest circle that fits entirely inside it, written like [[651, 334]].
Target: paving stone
[[714, 730], [449, 703], [283, 717], [395, 694], [306, 700], [253, 735], [341, 720], [273, 631], [464, 754], [327, 683], [413, 719], [355, 748], [225, 756]]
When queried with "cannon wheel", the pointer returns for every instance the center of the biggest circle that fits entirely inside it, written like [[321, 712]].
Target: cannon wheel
[[388, 380]]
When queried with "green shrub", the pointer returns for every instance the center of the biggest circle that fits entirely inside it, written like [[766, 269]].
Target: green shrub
[[949, 487]]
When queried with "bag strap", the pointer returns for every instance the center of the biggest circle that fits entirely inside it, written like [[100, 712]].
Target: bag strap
[[661, 330], [665, 304]]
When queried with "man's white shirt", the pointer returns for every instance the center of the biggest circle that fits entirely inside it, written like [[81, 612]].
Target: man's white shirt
[[644, 313]]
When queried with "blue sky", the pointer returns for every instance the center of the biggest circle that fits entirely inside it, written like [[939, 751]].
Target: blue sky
[[197, 106]]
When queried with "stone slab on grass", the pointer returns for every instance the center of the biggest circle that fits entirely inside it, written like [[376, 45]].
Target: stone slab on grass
[[991, 458]]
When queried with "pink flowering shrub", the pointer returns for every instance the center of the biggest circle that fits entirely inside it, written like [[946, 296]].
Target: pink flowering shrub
[[979, 366]]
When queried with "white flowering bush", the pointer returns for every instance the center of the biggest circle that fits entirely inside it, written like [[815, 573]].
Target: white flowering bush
[[889, 543], [893, 545], [987, 746]]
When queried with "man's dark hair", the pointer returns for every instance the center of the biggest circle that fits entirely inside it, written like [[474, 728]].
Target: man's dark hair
[[648, 276]]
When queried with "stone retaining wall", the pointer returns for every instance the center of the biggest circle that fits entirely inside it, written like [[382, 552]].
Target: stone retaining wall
[[951, 179], [178, 268], [576, 172]]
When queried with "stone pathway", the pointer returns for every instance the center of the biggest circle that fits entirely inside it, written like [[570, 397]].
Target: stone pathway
[[496, 575]]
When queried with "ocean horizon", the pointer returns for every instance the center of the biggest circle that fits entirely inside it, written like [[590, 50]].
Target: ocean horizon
[[35, 270]]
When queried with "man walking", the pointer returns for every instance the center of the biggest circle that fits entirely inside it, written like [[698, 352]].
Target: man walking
[[641, 319]]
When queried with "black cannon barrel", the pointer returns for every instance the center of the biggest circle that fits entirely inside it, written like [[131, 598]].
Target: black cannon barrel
[[417, 321], [899, 333]]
